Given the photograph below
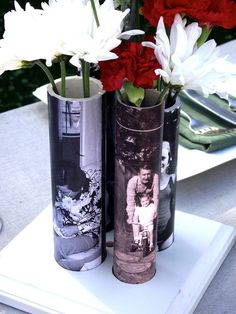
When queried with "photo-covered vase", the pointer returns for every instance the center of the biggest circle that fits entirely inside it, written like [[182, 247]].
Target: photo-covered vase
[[166, 216], [110, 98], [138, 146], [77, 174]]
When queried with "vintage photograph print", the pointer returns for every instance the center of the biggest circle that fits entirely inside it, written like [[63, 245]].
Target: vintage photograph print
[[137, 170], [77, 185], [166, 217]]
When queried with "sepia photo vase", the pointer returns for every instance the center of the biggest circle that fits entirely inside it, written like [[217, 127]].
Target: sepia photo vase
[[77, 175], [138, 146], [166, 216]]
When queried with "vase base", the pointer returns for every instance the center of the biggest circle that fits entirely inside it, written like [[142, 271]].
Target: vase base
[[135, 277], [82, 261]]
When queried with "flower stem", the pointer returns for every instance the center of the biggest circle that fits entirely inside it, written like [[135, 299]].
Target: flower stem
[[205, 34], [176, 95], [134, 15], [95, 12], [48, 73], [163, 93], [123, 4], [85, 76], [63, 78], [85, 65]]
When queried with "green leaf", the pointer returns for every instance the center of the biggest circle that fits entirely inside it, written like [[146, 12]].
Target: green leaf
[[135, 94]]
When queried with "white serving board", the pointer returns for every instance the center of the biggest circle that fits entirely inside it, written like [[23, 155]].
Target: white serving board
[[186, 157], [32, 281]]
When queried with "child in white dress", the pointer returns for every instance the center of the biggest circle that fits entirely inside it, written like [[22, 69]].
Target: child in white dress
[[143, 219]]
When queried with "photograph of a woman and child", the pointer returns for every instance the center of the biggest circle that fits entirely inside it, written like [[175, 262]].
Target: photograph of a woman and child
[[77, 193]]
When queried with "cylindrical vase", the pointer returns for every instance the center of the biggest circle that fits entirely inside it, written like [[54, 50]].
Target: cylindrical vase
[[166, 217], [77, 175], [138, 146], [110, 158]]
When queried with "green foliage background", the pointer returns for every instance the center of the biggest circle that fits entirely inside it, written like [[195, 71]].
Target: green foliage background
[[16, 87]]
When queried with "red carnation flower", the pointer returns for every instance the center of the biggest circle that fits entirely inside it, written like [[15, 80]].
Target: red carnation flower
[[135, 63], [152, 10], [206, 12], [216, 13]]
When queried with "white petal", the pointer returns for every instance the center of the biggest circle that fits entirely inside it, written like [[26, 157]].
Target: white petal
[[128, 34], [228, 50], [75, 61], [107, 6], [17, 6], [178, 37], [162, 52], [160, 25], [163, 74], [205, 51], [193, 32], [149, 44], [101, 56], [8, 62]]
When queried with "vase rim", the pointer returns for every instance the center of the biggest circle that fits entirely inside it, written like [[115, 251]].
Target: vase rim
[[175, 106], [142, 108], [78, 78]]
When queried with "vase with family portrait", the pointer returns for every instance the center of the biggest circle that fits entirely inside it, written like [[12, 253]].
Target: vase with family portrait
[[77, 174], [138, 146], [166, 211]]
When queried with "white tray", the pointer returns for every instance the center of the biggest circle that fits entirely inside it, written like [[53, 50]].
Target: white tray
[[32, 281]]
